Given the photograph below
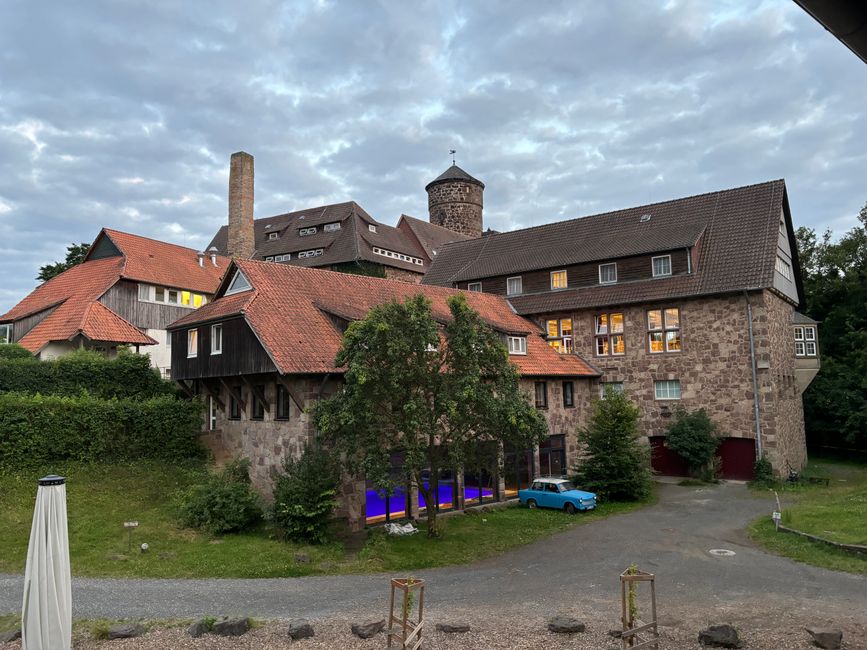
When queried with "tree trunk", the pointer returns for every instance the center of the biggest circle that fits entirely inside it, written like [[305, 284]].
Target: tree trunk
[[430, 498]]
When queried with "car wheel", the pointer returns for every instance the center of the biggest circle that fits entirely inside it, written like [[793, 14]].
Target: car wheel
[[531, 503], [570, 509]]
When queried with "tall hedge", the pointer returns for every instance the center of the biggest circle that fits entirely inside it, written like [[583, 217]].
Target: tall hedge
[[127, 375], [39, 428]]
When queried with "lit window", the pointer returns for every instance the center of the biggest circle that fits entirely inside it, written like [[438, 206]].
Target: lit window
[[568, 394], [273, 235], [783, 268], [805, 341], [185, 298], [664, 330], [559, 280], [541, 395], [661, 265], [609, 335], [475, 286], [514, 286], [197, 300], [560, 334], [517, 345], [610, 387], [608, 273], [192, 343], [216, 339], [667, 389]]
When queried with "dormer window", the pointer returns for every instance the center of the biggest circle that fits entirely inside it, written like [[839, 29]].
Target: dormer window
[[314, 253], [311, 230], [371, 227], [517, 345], [239, 283], [273, 235], [608, 273], [331, 227], [661, 266]]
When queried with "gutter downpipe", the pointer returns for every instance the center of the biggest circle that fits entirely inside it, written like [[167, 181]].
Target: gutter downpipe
[[759, 451]]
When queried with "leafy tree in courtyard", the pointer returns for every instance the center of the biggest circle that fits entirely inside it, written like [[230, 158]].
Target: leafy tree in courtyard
[[74, 255], [305, 495], [616, 464], [437, 401], [695, 438], [835, 293]]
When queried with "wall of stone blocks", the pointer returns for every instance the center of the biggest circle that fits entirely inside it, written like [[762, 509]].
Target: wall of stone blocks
[[458, 206]]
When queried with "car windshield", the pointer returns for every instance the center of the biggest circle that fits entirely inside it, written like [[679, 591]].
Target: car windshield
[[566, 486]]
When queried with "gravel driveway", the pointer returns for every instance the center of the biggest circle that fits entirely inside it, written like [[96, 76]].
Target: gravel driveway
[[574, 572]]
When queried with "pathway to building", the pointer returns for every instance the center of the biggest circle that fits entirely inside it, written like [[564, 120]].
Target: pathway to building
[[573, 571]]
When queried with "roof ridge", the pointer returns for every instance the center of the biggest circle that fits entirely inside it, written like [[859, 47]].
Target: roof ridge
[[158, 241]]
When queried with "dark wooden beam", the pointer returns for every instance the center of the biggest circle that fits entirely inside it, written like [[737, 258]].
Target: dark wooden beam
[[260, 395], [213, 394], [182, 384], [290, 391], [235, 394]]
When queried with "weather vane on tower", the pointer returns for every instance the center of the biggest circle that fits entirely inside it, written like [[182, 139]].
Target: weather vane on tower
[[453, 152]]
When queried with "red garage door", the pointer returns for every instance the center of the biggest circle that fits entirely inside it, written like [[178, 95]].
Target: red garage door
[[664, 461], [738, 457]]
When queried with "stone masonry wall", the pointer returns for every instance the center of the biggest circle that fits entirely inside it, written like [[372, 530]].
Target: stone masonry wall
[[404, 276], [457, 205], [241, 238]]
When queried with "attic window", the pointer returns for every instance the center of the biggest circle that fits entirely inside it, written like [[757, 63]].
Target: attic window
[[371, 227], [307, 231], [239, 283], [313, 253], [517, 345], [269, 259], [644, 218], [273, 235], [329, 227]]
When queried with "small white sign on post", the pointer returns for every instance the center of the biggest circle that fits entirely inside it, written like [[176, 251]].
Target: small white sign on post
[[129, 525], [776, 516]]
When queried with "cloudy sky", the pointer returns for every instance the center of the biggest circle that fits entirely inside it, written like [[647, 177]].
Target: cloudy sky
[[124, 114]]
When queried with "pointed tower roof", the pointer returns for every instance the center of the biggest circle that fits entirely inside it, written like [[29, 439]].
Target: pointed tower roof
[[454, 173]]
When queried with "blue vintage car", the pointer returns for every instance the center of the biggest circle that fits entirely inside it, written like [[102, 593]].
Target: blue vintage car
[[557, 493]]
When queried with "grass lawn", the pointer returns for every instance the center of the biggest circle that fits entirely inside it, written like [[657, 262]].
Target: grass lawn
[[101, 497], [837, 513]]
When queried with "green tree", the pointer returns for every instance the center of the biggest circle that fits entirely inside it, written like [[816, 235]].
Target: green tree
[[616, 464], [834, 274], [305, 495], [437, 396], [694, 437], [74, 255]]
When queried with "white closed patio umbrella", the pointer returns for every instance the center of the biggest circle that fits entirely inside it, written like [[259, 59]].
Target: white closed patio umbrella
[[46, 615]]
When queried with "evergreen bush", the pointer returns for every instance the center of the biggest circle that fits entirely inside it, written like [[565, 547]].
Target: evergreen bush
[[225, 503], [763, 473], [695, 438], [14, 351], [305, 496], [616, 464]]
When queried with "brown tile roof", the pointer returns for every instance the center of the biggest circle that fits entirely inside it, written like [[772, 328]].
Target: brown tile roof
[[354, 241], [288, 305], [738, 229], [158, 262], [429, 236], [454, 173]]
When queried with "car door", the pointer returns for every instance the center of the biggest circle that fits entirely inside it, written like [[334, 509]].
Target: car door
[[552, 496]]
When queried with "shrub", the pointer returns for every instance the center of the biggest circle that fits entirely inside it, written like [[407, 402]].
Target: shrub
[[763, 473], [126, 375], [616, 464], [225, 503], [45, 428], [305, 495], [695, 438], [14, 351]]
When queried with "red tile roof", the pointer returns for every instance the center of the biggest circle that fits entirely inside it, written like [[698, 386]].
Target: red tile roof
[[287, 306]]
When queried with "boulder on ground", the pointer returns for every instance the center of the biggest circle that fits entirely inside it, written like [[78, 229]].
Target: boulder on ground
[[453, 628], [126, 631], [720, 636], [827, 637], [566, 625], [300, 630], [368, 629], [231, 626], [615, 633], [12, 635], [199, 628]]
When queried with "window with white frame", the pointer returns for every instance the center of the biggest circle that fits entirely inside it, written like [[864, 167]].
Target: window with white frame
[[610, 335], [608, 273], [559, 332], [514, 286], [314, 253], [610, 387], [517, 345], [307, 231], [559, 280], [273, 235], [269, 259], [783, 268], [331, 227], [371, 227], [216, 339], [239, 283], [151, 293], [805, 341], [398, 256], [192, 343], [667, 389], [661, 266], [663, 330], [475, 287]]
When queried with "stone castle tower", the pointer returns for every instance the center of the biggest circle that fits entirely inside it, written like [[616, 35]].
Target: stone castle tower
[[454, 200]]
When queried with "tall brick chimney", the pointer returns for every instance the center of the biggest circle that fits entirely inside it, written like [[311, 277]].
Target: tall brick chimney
[[242, 242]]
